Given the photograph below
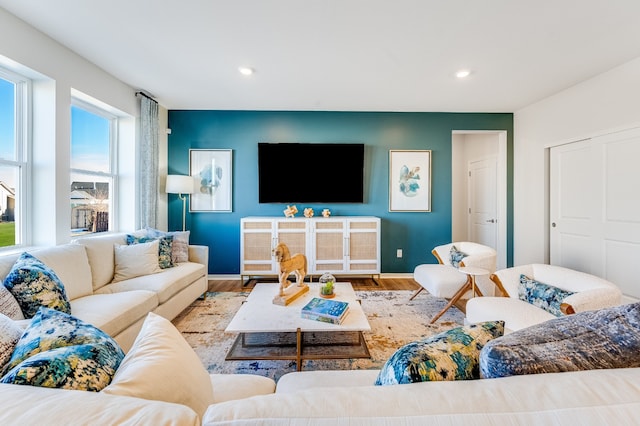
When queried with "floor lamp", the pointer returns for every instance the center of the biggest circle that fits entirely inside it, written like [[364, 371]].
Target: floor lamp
[[181, 185]]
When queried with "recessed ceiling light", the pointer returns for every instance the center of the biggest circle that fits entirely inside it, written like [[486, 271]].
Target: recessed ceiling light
[[463, 73], [246, 70]]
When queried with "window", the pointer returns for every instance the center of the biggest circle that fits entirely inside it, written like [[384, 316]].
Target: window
[[14, 104], [93, 170]]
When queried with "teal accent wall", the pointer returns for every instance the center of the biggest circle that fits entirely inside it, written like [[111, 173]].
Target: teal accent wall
[[416, 233]]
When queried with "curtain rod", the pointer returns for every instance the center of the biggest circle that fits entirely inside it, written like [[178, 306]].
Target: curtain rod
[[146, 96]]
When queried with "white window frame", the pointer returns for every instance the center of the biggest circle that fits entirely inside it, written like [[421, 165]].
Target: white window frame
[[22, 145], [113, 163]]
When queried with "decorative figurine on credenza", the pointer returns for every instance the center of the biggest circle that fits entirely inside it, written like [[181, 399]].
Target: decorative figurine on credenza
[[296, 264], [326, 213], [308, 212], [290, 211]]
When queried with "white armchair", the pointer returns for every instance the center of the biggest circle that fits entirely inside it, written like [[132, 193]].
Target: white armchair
[[589, 293], [446, 281]]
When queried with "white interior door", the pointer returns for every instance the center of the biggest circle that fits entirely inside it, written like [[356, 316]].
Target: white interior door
[[595, 207], [572, 212], [483, 204]]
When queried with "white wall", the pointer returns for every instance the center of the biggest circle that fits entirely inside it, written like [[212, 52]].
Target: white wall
[[57, 72], [607, 102]]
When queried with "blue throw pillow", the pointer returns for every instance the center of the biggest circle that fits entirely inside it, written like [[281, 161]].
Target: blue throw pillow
[[605, 338], [542, 295], [58, 350], [164, 251], [179, 245], [451, 355], [456, 256], [34, 284]]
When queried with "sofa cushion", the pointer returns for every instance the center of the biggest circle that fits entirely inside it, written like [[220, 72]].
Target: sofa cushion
[[9, 306], [28, 405], [113, 313], [162, 366], [180, 246], [456, 256], [101, 256], [542, 295], [165, 284], [33, 284], [450, 355], [606, 338], [136, 260], [227, 387], [164, 250], [71, 265], [302, 380], [58, 350], [9, 335]]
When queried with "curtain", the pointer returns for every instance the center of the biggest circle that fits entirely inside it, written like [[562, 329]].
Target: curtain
[[148, 161]]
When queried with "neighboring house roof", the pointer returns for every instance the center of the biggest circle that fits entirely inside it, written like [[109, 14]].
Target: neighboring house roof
[[81, 195], [11, 193]]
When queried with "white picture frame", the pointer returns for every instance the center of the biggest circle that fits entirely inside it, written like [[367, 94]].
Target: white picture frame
[[212, 170], [409, 180]]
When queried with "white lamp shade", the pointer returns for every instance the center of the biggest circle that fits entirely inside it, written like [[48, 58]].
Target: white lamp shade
[[179, 184]]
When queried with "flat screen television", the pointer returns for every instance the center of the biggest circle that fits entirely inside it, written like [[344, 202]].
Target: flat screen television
[[310, 172]]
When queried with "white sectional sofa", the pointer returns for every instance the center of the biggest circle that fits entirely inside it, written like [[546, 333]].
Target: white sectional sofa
[[596, 397], [87, 266], [161, 377]]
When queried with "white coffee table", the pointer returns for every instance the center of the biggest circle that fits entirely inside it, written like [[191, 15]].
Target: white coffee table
[[269, 331]]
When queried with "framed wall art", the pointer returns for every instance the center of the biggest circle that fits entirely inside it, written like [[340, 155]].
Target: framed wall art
[[212, 171], [410, 180]]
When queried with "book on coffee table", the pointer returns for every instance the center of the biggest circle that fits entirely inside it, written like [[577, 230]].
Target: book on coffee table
[[325, 310]]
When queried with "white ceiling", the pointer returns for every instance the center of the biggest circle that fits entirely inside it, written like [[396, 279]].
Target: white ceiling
[[344, 55]]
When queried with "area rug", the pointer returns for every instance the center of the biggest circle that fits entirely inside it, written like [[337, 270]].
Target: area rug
[[394, 320]]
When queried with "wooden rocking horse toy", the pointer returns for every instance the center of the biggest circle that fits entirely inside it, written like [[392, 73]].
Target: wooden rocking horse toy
[[296, 264]]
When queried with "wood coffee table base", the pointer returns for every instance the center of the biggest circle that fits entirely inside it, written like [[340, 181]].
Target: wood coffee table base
[[299, 346]]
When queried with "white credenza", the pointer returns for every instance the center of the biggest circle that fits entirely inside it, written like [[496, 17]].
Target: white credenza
[[342, 245]]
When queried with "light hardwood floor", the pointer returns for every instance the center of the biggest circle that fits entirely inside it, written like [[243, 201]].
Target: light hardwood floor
[[358, 284]]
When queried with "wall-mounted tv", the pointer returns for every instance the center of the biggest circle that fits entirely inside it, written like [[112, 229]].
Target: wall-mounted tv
[[310, 173]]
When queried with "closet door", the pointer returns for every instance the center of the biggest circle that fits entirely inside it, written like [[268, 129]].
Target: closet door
[[595, 207]]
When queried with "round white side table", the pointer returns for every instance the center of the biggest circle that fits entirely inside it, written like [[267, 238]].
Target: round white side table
[[473, 272]]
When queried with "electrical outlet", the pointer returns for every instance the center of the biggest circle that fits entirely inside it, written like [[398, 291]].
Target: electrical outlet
[[399, 253]]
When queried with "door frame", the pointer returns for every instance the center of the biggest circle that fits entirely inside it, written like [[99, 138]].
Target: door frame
[[501, 191]]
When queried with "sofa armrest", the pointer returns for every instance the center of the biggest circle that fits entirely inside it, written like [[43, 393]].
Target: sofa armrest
[[199, 254], [589, 300]]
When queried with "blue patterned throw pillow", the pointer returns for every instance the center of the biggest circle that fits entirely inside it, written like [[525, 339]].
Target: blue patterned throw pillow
[[451, 355], [58, 350], [456, 256], [179, 246], [604, 338], [165, 259], [34, 284], [544, 296]]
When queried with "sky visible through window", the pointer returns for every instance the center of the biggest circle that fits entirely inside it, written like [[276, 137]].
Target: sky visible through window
[[89, 141], [7, 128], [90, 135]]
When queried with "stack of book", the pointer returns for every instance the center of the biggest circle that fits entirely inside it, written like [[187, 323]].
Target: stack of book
[[325, 310]]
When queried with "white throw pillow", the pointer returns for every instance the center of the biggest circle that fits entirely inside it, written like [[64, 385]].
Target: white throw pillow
[[162, 366], [9, 335], [136, 260]]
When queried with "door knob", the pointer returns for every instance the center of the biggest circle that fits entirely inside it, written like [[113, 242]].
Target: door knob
[[490, 220]]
